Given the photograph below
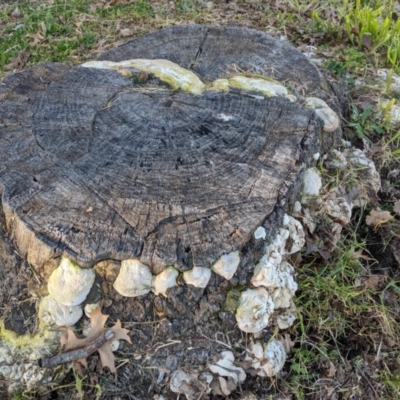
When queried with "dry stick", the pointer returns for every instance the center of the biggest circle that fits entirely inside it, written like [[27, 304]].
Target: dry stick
[[74, 355]]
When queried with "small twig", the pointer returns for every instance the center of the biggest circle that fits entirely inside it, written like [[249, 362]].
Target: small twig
[[216, 340], [156, 348], [74, 355]]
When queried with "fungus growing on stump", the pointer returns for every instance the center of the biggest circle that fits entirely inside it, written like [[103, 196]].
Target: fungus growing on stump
[[119, 160]]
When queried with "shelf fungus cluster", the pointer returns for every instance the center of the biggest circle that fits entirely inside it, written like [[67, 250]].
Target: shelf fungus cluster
[[179, 78], [274, 282], [68, 287]]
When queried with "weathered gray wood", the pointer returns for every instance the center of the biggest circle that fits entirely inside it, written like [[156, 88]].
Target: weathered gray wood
[[95, 166]]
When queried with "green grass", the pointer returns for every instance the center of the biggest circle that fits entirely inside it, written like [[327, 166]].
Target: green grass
[[71, 27], [337, 311]]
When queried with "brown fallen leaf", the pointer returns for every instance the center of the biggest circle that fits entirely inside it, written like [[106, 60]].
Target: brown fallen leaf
[[37, 38], [18, 62], [331, 371], [366, 40], [378, 217], [372, 282], [69, 341], [125, 32]]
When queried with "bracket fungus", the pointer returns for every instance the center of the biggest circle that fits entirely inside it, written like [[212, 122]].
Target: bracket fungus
[[165, 280], [227, 265], [197, 276], [134, 279], [52, 312], [169, 72], [190, 384], [225, 367], [265, 86], [255, 309], [329, 117], [312, 184], [69, 284], [268, 358], [260, 233]]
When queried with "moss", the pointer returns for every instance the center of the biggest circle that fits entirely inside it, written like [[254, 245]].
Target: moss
[[28, 344]]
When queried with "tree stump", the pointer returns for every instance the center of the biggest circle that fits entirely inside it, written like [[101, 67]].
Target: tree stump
[[99, 165]]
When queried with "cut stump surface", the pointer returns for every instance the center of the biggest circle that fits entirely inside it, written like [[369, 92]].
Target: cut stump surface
[[95, 165]]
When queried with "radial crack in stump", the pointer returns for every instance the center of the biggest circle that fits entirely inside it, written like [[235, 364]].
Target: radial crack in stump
[[177, 153]]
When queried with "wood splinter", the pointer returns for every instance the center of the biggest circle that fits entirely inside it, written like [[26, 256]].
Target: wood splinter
[[74, 355]]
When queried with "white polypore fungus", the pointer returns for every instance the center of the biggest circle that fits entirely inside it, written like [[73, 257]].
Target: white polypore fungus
[[278, 279], [255, 308], [269, 358], [329, 117], [265, 272], [282, 296], [52, 312], [338, 208], [312, 184], [169, 72], [134, 279], [297, 207], [165, 280], [197, 276], [358, 159], [367, 179], [23, 377], [335, 160], [260, 233], [264, 85], [285, 320], [227, 265], [189, 384], [69, 284], [179, 380], [184, 79], [225, 367], [278, 245], [296, 234]]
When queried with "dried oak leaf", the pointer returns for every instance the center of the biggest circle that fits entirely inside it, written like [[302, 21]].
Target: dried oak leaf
[[18, 62], [37, 38], [69, 341], [373, 282], [378, 217]]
